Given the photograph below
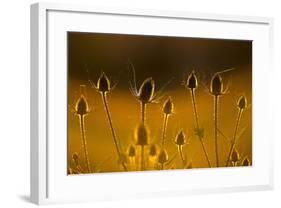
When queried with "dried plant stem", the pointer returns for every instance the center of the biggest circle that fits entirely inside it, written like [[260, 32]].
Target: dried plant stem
[[162, 166], [84, 143], [197, 126], [143, 108], [216, 99], [181, 154], [165, 123], [104, 98], [234, 136], [142, 158]]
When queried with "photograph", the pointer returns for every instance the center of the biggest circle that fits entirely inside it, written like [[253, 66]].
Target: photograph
[[150, 102]]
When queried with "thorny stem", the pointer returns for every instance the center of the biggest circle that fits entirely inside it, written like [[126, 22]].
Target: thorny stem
[[84, 142], [165, 123], [181, 154], [112, 129], [234, 136], [143, 105], [216, 98], [197, 126], [142, 157]]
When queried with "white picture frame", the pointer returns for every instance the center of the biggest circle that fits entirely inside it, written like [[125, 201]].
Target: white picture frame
[[49, 181]]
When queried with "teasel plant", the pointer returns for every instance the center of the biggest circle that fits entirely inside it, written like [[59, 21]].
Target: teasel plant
[[146, 93], [81, 110], [235, 157], [103, 86], [163, 158], [142, 137], [217, 90], [180, 141], [192, 84], [75, 159], [241, 105], [167, 111], [132, 156], [153, 150], [246, 161]]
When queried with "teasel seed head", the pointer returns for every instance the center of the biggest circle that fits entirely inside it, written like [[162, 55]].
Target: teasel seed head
[[168, 106], [141, 135], [163, 157], [246, 162], [235, 156], [192, 81], [180, 138], [81, 107], [153, 150], [216, 87], [131, 151], [242, 103], [75, 158], [103, 84], [146, 91]]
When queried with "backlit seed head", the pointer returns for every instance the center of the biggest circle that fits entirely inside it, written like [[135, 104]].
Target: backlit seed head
[[132, 151], [81, 107], [141, 135], [235, 156], [75, 158], [246, 162], [146, 91], [163, 157], [180, 138], [242, 102], [153, 150], [103, 84], [192, 81], [216, 87], [69, 171], [168, 106]]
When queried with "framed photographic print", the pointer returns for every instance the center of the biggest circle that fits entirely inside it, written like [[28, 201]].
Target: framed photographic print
[[132, 103]]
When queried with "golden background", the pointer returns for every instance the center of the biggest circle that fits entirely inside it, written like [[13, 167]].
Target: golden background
[[161, 58]]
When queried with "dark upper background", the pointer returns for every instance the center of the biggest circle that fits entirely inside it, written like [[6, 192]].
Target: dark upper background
[[156, 56]]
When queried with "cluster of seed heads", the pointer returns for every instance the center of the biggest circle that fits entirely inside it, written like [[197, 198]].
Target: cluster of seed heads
[[146, 94]]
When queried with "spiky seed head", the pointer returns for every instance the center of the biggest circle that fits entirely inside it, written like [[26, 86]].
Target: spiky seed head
[[81, 107], [235, 156], [242, 103], [153, 150], [199, 132], [163, 157], [141, 135], [132, 151], [69, 171], [168, 107], [216, 87], [146, 90], [192, 81], [75, 158], [103, 84], [246, 162], [180, 138]]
